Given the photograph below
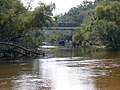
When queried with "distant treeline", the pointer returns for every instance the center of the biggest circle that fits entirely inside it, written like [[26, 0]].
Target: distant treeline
[[98, 21]]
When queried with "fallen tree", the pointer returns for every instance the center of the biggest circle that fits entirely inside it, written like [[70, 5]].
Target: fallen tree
[[14, 50]]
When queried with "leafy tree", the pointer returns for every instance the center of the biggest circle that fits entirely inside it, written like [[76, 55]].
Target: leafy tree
[[101, 28], [21, 29], [105, 25], [58, 35], [107, 16], [76, 15]]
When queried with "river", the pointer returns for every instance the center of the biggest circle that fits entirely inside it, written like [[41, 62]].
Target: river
[[62, 69]]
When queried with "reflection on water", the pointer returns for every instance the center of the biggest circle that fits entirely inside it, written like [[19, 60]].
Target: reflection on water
[[49, 47], [63, 77], [65, 69]]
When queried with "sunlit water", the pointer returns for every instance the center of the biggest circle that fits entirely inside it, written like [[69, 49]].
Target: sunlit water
[[63, 69]]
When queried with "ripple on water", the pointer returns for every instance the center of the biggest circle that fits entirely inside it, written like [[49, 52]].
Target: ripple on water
[[85, 66], [30, 82]]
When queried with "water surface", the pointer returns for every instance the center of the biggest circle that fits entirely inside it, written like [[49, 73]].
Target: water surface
[[63, 69]]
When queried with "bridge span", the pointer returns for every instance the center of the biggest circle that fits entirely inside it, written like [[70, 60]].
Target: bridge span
[[60, 28]]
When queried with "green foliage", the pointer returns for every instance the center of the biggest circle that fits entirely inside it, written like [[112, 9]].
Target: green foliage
[[43, 15], [79, 36], [9, 11], [102, 27], [57, 35], [15, 19], [76, 15], [107, 23], [110, 11], [20, 26]]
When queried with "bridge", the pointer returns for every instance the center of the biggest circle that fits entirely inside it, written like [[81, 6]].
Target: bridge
[[60, 28]]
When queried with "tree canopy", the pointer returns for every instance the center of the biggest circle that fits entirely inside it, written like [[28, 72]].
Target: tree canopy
[[76, 15], [20, 27], [98, 23]]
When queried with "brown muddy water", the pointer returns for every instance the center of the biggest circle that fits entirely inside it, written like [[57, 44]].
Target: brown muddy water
[[63, 69]]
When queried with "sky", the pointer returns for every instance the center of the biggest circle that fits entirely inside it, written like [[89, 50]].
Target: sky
[[62, 6]]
